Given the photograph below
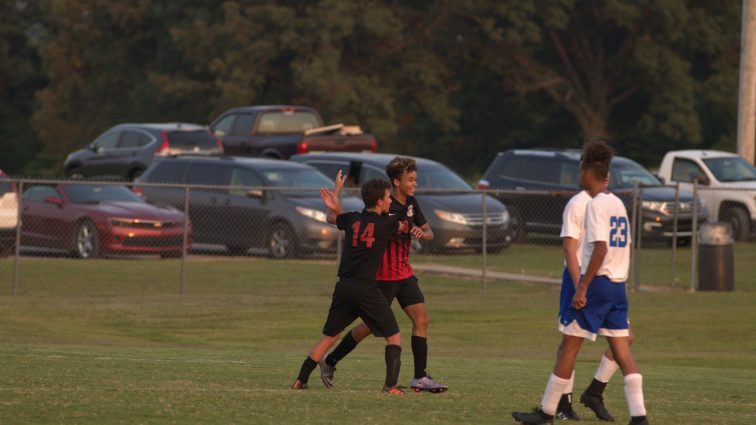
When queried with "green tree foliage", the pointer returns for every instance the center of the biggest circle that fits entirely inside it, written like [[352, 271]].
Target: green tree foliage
[[454, 80]]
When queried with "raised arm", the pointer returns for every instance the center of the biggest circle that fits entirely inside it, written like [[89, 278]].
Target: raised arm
[[331, 198]]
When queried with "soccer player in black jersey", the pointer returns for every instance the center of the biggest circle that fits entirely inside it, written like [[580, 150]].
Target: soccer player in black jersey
[[356, 293], [396, 280]]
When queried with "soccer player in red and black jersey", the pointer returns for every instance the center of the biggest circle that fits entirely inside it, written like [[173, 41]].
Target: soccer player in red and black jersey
[[396, 280], [356, 293]]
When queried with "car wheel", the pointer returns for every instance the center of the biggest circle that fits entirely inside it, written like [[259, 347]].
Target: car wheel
[[740, 222], [75, 174], [237, 250], [517, 224], [86, 240], [281, 241]]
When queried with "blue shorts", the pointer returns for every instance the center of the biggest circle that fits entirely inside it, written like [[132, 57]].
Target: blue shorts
[[605, 311], [568, 292]]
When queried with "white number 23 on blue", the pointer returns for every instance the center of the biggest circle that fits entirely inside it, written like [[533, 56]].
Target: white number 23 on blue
[[618, 232]]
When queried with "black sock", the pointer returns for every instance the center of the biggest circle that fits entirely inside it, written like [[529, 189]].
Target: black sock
[[393, 364], [596, 387], [420, 353], [565, 403], [345, 347], [307, 367]]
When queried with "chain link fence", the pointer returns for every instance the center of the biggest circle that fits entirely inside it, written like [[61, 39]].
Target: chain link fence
[[491, 234]]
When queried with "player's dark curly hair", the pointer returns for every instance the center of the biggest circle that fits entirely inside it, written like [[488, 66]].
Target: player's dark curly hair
[[373, 191], [398, 166], [597, 156]]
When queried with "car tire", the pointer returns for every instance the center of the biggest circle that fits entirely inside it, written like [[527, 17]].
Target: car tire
[[237, 250], [75, 174], [740, 222], [519, 233], [281, 242], [86, 240]]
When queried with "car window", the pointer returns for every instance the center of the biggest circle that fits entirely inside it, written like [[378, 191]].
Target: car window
[[685, 170], [246, 178], [39, 193], [369, 172], [168, 172], [243, 125], [107, 141], [131, 139], [287, 122], [330, 169], [536, 169], [623, 175], [223, 127], [93, 194], [192, 139], [731, 169], [569, 173], [210, 174]]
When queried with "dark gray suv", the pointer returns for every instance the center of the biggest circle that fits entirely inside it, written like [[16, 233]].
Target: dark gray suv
[[124, 151]]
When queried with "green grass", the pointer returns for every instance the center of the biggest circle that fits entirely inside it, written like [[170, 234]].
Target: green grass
[[112, 341]]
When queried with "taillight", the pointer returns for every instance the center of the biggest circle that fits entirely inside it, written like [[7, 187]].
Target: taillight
[[162, 150], [374, 145], [483, 184], [217, 140], [302, 147]]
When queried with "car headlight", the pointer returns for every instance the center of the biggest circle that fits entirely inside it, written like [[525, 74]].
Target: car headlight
[[655, 206], [316, 215], [452, 217], [505, 216]]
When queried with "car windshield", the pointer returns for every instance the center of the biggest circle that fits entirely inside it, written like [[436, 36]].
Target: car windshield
[[93, 194], [731, 169], [304, 178], [439, 177], [623, 175]]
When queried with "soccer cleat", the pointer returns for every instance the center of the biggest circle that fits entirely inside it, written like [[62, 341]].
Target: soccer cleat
[[326, 373], [638, 420], [536, 417], [427, 383], [395, 390], [566, 414], [299, 385], [596, 403]]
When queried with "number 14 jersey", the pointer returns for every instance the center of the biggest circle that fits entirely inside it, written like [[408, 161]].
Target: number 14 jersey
[[366, 235], [606, 221]]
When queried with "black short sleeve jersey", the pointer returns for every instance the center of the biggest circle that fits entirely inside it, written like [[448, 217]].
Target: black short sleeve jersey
[[395, 264], [365, 241]]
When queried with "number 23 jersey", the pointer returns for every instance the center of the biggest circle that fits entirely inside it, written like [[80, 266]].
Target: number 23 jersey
[[366, 235], [606, 221]]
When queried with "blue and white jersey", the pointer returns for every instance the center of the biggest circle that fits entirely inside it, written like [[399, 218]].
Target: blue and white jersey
[[606, 221], [573, 221]]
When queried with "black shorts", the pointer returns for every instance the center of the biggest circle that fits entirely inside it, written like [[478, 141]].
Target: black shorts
[[355, 298], [407, 291]]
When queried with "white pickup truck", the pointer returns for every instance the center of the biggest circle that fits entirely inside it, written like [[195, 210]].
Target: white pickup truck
[[716, 172]]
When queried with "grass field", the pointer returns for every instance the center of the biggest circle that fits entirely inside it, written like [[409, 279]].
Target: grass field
[[112, 341]]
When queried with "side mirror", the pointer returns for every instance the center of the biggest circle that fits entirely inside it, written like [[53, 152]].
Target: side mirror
[[92, 147], [53, 200], [703, 180], [256, 193]]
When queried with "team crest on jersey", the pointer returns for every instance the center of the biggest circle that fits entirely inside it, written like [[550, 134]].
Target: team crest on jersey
[[410, 211]]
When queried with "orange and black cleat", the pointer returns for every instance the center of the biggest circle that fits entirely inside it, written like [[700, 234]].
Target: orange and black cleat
[[395, 390], [299, 385]]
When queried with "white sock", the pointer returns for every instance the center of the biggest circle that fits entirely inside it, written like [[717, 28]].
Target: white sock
[[606, 369], [634, 394], [554, 390], [570, 383]]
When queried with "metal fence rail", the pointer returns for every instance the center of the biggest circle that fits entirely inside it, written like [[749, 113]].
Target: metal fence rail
[[505, 234]]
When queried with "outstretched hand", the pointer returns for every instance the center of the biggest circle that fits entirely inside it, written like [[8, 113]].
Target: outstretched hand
[[329, 199], [339, 182]]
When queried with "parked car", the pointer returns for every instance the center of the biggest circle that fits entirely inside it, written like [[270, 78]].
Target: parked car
[[554, 173], [279, 131], [124, 151], [8, 215], [247, 211], [90, 220], [720, 171], [456, 218]]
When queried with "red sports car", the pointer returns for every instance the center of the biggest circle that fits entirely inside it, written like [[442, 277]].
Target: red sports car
[[90, 220]]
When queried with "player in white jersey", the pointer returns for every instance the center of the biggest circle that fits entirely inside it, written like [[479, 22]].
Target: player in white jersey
[[599, 305]]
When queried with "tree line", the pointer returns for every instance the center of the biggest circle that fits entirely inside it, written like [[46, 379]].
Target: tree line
[[453, 80]]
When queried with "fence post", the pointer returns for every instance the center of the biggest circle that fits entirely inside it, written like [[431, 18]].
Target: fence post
[[18, 237], [634, 231], [674, 235], [186, 239], [694, 239], [484, 243]]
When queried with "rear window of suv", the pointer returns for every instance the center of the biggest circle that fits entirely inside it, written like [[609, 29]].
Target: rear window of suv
[[536, 169], [191, 139], [287, 122]]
